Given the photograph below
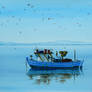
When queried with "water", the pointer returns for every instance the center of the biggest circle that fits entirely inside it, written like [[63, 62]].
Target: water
[[15, 77]]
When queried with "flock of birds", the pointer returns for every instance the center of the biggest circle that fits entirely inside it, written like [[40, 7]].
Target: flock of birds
[[33, 8]]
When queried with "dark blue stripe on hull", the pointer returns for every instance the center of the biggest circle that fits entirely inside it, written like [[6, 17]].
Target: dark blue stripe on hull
[[53, 68]]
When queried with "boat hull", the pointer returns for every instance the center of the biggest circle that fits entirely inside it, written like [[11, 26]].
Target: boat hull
[[53, 65], [52, 68]]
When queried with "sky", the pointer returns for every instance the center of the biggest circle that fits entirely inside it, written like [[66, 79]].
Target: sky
[[29, 21]]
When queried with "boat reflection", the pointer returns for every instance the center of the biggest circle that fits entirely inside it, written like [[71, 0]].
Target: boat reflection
[[47, 76]]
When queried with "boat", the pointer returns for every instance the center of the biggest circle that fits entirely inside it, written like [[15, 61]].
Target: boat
[[47, 61]]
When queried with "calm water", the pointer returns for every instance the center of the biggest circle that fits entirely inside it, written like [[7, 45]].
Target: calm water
[[16, 77]]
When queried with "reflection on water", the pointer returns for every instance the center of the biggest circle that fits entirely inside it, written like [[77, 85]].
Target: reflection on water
[[13, 76], [46, 76]]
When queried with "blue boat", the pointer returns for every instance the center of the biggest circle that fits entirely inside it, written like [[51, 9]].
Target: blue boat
[[51, 63]]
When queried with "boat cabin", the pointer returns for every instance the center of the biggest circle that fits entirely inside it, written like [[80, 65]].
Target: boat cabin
[[47, 55]]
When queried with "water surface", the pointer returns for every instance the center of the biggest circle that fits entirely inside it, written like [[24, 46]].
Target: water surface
[[15, 77]]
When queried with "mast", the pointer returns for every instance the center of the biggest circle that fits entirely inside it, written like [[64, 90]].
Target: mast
[[40, 57], [46, 57], [74, 55]]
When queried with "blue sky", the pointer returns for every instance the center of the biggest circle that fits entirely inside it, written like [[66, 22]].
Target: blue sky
[[29, 21]]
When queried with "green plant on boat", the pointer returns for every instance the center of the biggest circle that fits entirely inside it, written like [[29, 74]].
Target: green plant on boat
[[63, 54]]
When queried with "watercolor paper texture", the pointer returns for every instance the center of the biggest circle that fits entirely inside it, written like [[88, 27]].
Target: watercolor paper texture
[[51, 24], [45, 20]]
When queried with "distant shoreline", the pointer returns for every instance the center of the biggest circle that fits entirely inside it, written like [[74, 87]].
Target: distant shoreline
[[46, 45], [55, 43]]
